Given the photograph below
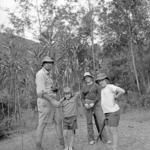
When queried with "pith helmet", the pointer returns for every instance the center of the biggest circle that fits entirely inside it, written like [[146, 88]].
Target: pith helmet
[[87, 74], [101, 76], [47, 59]]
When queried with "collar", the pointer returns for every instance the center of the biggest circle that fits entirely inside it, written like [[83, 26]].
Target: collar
[[90, 83], [46, 72]]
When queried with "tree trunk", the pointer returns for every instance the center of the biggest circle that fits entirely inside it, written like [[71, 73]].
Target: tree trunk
[[92, 36], [133, 62]]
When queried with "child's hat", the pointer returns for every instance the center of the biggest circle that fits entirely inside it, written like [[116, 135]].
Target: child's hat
[[101, 76], [87, 74], [67, 90]]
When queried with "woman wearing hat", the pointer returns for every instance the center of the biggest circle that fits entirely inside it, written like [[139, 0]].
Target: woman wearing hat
[[91, 103]]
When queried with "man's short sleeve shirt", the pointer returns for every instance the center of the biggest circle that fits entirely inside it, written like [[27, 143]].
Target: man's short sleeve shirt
[[44, 82]]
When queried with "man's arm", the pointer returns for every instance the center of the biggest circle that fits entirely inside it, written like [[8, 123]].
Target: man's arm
[[52, 100], [40, 89]]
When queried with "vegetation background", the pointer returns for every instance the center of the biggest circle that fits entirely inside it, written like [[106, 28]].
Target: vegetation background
[[110, 36]]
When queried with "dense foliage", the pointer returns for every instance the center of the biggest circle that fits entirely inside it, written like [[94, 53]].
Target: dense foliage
[[109, 36]]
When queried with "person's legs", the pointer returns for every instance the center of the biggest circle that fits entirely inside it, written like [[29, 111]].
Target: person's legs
[[66, 138], [96, 123], [73, 127], [43, 116], [114, 131], [108, 133], [58, 125], [113, 122], [99, 117], [39, 135], [72, 138], [70, 123], [89, 115]]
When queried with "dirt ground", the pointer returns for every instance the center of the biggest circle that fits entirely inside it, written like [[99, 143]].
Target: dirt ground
[[134, 134]]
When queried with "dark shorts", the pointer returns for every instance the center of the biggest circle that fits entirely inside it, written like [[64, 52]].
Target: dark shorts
[[70, 123], [112, 119]]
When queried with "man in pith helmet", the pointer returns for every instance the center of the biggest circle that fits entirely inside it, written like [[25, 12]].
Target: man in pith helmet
[[47, 103]]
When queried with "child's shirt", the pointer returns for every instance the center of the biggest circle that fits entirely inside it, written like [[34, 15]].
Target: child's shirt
[[70, 106], [108, 102]]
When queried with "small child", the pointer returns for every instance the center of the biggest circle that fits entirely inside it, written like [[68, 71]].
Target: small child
[[69, 106], [109, 94]]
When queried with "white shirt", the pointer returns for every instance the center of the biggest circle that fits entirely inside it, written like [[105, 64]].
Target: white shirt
[[44, 84], [108, 102]]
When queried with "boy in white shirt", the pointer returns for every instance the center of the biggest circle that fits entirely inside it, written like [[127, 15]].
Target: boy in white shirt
[[109, 94]]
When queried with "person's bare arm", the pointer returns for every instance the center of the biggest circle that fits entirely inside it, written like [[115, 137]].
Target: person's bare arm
[[119, 92], [40, 88], [52, 100]]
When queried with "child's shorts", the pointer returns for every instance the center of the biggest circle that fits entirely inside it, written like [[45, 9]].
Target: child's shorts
[[70, 123], [112, 119]]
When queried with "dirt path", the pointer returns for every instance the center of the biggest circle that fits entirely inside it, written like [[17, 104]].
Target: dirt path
[[134, 135]]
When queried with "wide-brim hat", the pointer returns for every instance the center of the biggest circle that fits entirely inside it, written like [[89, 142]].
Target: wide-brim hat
[[87, 74], [67, 90], [47, 59], [101, 76]]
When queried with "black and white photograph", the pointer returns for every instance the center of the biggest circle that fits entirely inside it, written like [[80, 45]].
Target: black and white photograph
[[74, 74]]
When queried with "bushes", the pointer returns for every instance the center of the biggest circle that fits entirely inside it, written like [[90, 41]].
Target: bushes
[[133, 100], [145, 101]]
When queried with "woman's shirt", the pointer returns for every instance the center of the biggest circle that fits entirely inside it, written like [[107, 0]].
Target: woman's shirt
[[91, 92]]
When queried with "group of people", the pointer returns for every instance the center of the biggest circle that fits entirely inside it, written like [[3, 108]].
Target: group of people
[[99, 100]]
